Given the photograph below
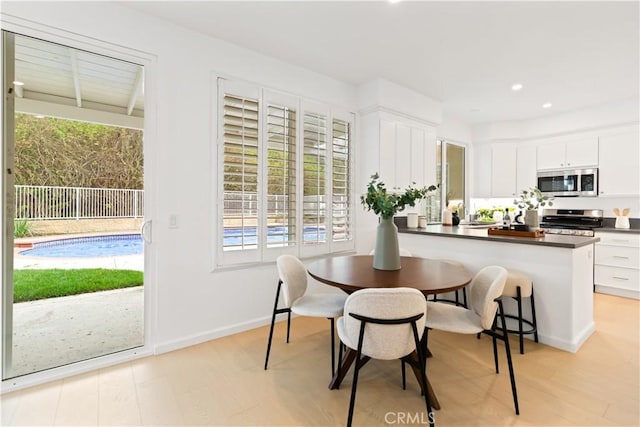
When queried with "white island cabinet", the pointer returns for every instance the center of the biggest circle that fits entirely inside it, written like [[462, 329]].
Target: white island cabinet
[[561, 268], [617, 266]]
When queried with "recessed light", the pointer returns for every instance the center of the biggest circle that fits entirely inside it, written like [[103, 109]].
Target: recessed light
[[547, 105], [17, 83], [516, 87]]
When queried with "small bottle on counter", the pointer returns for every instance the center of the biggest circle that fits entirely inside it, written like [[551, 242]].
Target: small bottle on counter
[[506, 221]]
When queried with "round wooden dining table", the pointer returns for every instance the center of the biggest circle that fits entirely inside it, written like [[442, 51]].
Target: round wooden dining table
[[352, 273]]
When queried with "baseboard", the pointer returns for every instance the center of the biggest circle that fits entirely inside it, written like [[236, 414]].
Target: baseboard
[[570, 346], [211, 335]]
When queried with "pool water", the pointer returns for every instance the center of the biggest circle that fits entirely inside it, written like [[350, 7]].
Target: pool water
[[88, 247], [131, 244]]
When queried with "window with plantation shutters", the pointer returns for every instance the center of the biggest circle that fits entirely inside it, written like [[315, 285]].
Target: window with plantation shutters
[[240, 172], [314, 209], [284, 176], [341, 180], [281, 176]]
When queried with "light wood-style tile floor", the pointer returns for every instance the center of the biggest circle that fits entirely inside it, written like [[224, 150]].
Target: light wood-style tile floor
[[223, 383]]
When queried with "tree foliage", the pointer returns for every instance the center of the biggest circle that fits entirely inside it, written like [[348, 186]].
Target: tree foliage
[[67, 153]]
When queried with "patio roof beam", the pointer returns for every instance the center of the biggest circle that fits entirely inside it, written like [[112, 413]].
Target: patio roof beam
[[76, 76], [134, 92]]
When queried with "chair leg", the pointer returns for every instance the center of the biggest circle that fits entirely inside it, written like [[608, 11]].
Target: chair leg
[[288, 325], [507, 348], [404, 375], [357, 366], [422, 361], [273, 321], [495, 353], [340, 348], [333, 346], [520, 333], [464, 297], [533, 318]]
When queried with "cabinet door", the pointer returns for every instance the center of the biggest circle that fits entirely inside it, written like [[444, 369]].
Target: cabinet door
[[526, 168], [403, 156], [618, 168], [551, 156], [388, 153], [503, 170], [583, 152], [481, 182]]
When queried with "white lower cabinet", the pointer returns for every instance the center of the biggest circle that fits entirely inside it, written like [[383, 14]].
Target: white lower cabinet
[[617, 264]]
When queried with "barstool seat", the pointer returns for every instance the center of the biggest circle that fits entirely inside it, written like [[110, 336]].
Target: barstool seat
[[520, 286], [463, 290]]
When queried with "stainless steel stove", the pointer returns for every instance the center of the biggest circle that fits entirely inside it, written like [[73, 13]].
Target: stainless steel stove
[[575, 222]]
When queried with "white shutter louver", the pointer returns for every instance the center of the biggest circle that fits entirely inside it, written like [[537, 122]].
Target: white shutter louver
[[281, 176], [341, 180], [240, 172], [314, 175]]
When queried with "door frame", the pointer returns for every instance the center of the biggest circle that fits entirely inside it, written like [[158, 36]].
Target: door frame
[[149, 62]]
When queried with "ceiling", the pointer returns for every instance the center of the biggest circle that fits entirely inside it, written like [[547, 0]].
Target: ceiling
[[466, 55], [65, 82]]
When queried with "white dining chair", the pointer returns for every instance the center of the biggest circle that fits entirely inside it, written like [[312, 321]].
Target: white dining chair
[[293, 284], [485, 293], [384, 324]]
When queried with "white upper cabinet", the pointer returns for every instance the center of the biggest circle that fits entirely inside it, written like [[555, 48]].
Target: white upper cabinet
[[407, 155], [526, 168], [503, 170], [571, 154], [618, 170], [513, 169]]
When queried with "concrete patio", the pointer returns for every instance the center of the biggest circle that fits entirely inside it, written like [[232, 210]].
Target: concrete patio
[[57, 331]]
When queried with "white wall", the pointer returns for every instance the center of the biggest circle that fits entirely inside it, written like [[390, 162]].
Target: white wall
[[193, 303]]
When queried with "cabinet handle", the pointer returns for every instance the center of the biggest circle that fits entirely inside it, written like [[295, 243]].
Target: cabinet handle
[[620, 257], [620, 278]]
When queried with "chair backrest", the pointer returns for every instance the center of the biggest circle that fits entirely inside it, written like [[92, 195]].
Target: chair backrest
[[386, 342], [402, 251], [485, 287], [293, 274]]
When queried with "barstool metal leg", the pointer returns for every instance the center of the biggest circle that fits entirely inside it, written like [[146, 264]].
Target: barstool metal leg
[[520, 333], [533, 317]]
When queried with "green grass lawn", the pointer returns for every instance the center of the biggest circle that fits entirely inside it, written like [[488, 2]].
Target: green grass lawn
[[30, 285]]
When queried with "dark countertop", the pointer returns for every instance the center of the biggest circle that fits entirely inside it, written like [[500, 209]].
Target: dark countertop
[[556, 240], [608, 225], [619, 230]]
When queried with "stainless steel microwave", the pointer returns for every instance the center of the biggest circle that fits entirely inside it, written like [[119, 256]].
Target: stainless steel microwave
[[569, 182]]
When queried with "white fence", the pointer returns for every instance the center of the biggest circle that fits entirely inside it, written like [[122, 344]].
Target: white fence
[[35, 202]]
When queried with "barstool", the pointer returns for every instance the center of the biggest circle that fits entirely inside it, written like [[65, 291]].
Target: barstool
[[464, 290], [520, 286]]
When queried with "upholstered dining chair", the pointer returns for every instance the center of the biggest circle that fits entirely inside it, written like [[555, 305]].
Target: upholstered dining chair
[[293, 284], [484, 293], [384, 324]]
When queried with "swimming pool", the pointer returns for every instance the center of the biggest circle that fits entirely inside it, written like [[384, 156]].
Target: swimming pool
[[88, 247]]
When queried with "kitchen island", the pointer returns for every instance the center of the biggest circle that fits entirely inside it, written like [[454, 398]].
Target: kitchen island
[[560, 266]]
